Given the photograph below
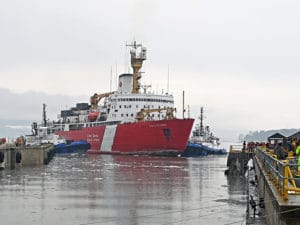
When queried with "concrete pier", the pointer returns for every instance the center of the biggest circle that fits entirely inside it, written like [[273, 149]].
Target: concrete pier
[[275, 181], [10, 155], [237, 161], [275, 185]]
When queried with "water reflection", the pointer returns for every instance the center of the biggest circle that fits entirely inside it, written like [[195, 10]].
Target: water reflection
[[105, 189]]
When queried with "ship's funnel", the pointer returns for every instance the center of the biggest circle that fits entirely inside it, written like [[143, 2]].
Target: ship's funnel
[[125, 83]]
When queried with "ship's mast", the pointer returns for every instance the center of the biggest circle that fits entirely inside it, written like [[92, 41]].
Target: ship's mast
[[136, 64], [44, 115], [201, 122]]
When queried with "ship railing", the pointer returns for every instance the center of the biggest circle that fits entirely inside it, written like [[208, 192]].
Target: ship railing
[[76, 126], [282, 173]]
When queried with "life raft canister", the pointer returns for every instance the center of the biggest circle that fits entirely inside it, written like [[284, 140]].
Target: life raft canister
[[93, 116]]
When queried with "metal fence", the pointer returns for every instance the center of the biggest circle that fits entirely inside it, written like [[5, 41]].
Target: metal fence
[[282, 173]]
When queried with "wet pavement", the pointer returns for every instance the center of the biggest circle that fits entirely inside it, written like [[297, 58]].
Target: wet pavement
[[105, 189]]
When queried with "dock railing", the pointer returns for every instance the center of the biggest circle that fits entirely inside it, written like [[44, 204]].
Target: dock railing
[[236, 148], [282, 173]]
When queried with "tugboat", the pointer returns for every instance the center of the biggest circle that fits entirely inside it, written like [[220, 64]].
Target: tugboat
[[203, 142], [44, 134], [128, 121], [202, 135]]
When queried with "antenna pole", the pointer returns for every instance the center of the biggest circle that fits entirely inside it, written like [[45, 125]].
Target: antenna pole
[[110, 85], [116, 76], [168, 78], [183, 109]]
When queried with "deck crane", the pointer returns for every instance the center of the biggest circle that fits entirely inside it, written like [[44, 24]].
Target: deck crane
[[145, 113], [95, 99]]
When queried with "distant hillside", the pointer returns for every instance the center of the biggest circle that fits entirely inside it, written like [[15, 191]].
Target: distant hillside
[[19, 110], [14, 128], [262, 136]]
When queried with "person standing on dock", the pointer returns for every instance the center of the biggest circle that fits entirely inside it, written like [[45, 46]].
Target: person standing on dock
[[244, 146], [298, 154]]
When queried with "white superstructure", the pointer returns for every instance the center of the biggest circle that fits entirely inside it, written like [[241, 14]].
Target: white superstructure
[[127, 104]]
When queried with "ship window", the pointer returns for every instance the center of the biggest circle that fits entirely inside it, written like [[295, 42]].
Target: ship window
[[125, 106], [122, 114], [137, 106], [127, 114], [130, 106], [120, 106], [131, 114]]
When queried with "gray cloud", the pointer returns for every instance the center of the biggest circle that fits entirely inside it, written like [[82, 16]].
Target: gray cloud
[[236, 58]]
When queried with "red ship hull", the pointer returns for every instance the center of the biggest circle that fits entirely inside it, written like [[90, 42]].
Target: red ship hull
[[150, 137]]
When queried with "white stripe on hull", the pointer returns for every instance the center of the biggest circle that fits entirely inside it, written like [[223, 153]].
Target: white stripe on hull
[[108, 138]]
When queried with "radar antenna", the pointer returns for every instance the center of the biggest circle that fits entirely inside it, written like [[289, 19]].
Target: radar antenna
[[145, 87]]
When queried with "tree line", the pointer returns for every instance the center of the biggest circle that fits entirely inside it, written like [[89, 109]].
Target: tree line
[[262, 136]]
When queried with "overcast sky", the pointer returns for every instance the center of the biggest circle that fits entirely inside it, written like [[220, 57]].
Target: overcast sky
[[238, 59]]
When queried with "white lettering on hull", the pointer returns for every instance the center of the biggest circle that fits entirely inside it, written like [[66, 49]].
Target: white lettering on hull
[[92, 138]]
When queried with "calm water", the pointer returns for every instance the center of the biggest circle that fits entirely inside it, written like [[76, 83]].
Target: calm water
[[105, 189]]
